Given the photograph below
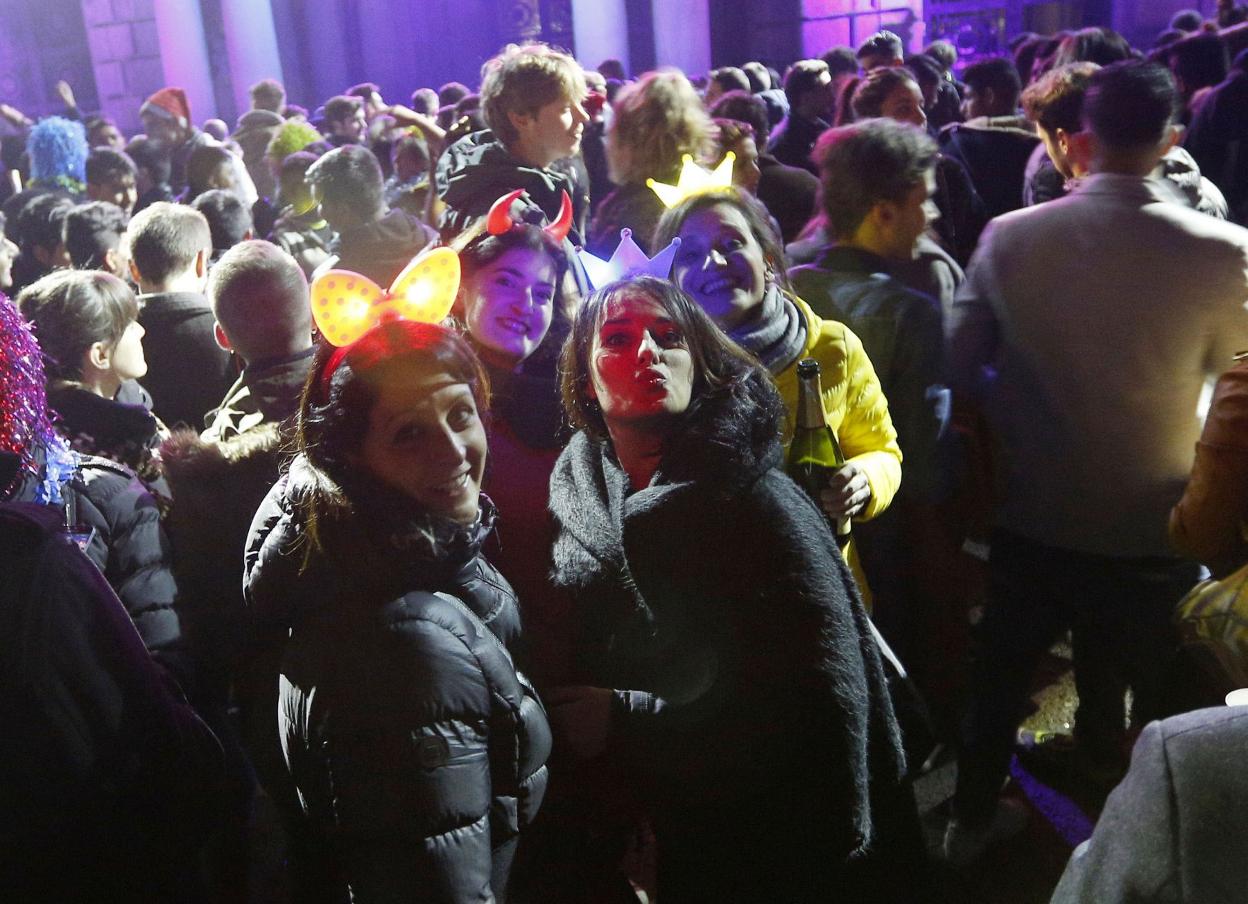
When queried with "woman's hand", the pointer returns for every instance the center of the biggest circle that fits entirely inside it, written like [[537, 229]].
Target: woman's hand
[[847, 492], [580, 718]]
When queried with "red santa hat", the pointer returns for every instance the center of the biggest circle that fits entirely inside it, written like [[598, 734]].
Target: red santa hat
[[169, 103]]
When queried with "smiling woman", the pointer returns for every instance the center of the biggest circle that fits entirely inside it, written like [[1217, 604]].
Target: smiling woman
[[512, 303], [731, 263], [414, 748]]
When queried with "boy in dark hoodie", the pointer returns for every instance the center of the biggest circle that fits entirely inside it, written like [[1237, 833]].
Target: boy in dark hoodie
[[372, 240], [996, 141], [531, 97]]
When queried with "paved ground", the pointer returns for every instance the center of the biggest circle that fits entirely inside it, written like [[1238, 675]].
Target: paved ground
[[1026, 869]]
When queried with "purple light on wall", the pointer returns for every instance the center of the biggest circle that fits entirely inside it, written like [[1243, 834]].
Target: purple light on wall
[[829, 23], [184, 54]]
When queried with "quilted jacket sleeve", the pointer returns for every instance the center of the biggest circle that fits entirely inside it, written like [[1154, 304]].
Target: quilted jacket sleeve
[[420, 775], [866, 432], [133, 551]]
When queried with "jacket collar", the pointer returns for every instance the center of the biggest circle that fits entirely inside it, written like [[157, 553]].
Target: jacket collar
[[1140, 189], [173, 302], [846, 259]]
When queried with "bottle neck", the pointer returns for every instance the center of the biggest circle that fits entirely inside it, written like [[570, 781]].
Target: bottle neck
[[810, 404]]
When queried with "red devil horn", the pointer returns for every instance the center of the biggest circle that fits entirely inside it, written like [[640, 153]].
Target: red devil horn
[[499, 220], [559, 229]]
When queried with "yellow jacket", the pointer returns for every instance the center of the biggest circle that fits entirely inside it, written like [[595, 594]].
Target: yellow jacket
[[856, 410]]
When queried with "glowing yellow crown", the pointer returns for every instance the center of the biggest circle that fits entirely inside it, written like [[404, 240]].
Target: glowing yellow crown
[[694, 180]]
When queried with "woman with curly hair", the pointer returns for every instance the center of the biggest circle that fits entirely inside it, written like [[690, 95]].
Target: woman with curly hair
[[657, 120]]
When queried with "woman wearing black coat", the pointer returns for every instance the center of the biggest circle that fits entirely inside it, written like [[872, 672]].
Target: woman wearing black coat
[[727, 664], [412, 751]]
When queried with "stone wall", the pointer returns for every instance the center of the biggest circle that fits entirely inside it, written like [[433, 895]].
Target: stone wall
[[125, 53]]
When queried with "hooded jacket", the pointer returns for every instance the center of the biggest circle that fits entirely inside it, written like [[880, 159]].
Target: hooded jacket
[[994, 150], [219, 480], [414, 750], [748, 692], [381, 249], [477, 170]]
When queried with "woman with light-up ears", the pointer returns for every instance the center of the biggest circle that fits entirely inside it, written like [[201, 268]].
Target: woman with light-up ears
[[414, 752]]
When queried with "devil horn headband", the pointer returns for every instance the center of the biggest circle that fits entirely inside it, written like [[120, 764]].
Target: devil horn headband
[[500, 219]]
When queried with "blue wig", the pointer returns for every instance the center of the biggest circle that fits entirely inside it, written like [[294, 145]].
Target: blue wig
[[58, 152]]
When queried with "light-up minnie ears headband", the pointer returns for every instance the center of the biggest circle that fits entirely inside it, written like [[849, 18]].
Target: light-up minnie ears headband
[[347, 305]]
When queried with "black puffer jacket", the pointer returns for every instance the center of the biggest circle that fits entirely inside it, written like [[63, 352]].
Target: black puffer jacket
[[129, 546], [751, 714], [417, 750]]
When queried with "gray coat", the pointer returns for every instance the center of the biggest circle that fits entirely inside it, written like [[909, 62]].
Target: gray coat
[[1176, 828]]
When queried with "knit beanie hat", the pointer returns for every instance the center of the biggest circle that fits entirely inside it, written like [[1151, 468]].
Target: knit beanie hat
[[169, 103]]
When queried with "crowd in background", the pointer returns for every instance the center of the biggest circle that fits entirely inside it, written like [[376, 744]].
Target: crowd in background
[[514, 599]]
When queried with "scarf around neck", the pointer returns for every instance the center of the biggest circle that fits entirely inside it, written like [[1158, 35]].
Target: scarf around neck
[[776, 335]]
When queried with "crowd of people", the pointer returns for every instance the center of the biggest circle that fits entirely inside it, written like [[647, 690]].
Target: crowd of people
[[395, 494]]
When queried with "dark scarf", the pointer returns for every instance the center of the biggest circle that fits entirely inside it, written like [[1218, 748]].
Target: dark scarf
[[776, 335]]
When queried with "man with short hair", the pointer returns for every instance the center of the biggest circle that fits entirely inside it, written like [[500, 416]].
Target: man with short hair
[[112, 177], [1088, 327], [995, 142], [344, 121], [876, 179], [301, 231], [229, 219], [880, 50], [808, 87], [259, 298], [187, 371], [102, 132], [268, 94], [372, 240], [94, 236], [40, 234], [153, 170], [531, 97], [1054, 102], [722, 80]]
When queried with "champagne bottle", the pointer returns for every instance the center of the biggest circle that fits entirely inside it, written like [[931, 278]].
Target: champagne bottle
[[814, 454]]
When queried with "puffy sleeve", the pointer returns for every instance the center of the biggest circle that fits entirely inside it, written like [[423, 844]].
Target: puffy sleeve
[[132, 549], [107, 732], [866, 431], [420, 774], [1206, 524]]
